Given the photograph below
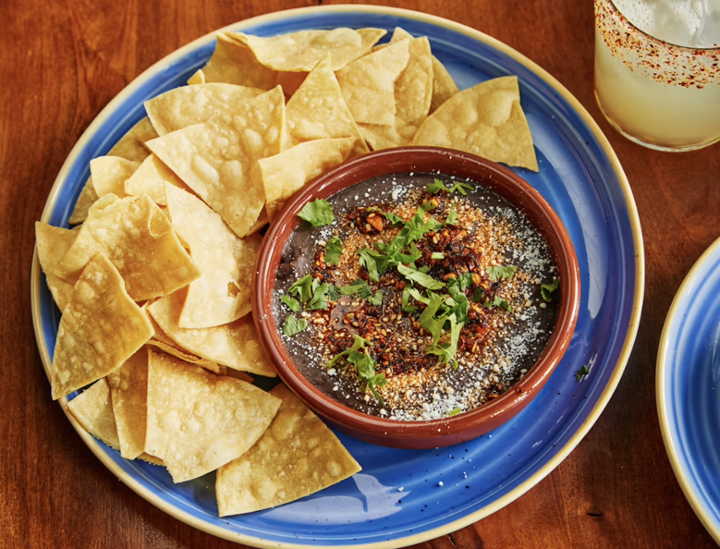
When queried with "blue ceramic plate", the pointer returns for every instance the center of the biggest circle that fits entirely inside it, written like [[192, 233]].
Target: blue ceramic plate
[[401, 496], [688, 372]]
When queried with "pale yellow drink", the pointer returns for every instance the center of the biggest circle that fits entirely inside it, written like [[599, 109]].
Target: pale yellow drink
[[658, 94]]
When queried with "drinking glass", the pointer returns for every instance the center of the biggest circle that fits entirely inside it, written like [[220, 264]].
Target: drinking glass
[[658, 94]]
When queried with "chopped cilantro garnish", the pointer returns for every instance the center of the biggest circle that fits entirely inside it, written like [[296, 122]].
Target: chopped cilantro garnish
[[368, 261], [293, 304], [455, 411], [437, 255], [319, 298], [359, 288], [406, 299], [462, 188], [333, 293], [502, 303], [548, 289], [478, 295], [430, 324], [437, 186], [333, 250], [302, 288], [318, 213], [376, 299], [452, 218], [364, 366], [358, 344], [419, 277], [499, 272], [394, 219], [582, 373], [293, 326], [417, 295]]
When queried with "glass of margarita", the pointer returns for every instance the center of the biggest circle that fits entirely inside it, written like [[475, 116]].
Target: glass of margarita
[[657, 70]]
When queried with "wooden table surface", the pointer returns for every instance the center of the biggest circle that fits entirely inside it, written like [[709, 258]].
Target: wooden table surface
[[62, 62]]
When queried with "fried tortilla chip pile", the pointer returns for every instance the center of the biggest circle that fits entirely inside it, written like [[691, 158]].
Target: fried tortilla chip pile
[[154, 284]]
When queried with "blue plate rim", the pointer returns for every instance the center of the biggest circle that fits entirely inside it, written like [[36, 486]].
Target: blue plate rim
[[639, 286], [663, 392]]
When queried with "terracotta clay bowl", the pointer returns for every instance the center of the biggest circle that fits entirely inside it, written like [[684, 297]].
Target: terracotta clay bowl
[[449, 430]]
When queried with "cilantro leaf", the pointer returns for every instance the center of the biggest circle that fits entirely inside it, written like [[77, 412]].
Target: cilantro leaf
[[293, 326], [376, 299], [452, 218], [421, 278], [293, 304], [394, 219], [319, 298], [436, 186], [333, 250], [358, 344], [368, 261], [359, 288], [548, 289], [365, 369], [406, 299], [502, 303], [462, 188], [333, 293], [302, 288], [478, 295], [318, 213], [447, 351], [417, 295], [499, 272], [582, 373], [465, 279], [428, 321]]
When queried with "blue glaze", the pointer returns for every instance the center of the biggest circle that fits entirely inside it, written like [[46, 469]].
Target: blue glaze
[[687, 384], [577, 178]]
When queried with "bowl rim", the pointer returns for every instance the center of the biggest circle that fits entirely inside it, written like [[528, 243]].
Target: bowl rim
[[396, 160]]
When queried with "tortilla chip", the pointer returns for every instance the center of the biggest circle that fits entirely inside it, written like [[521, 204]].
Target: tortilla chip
[[132, 145], [197, 78], [109, 174], [222, 294], [100, 328], [300, 51], [87, 198], [139, 240], [52, 244], [128, 387], [286, 173], [182, 107], [270, 474], [262, 220], [150, 179], [368, 83], [235, 63], [444, 87], [93, 410], [236, 345], [197, 421], [486, 120], [318, 110], [218, 161], [161, 341]]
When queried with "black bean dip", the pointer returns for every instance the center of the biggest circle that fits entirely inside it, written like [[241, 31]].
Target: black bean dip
[[487, 266]]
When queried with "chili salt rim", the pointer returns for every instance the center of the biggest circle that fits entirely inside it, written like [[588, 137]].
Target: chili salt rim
[[656, 59]]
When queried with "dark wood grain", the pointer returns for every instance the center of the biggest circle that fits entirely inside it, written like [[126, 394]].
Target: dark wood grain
[[61, 62]]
